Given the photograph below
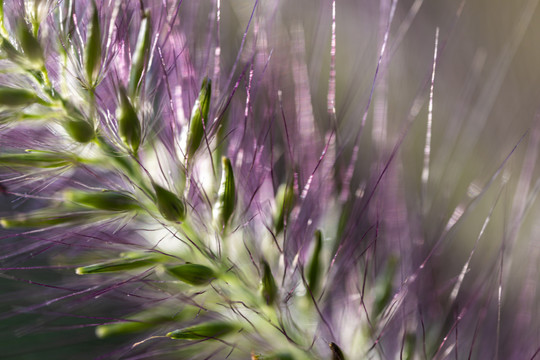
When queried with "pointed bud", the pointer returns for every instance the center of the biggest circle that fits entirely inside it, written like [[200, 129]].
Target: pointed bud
[[169, 205], [209, 330], [79, 129], [314, 268], [199, 118], [13, 97], [337, 354], [92, 51], [40, 219], [284, 205], [30, 45], [129, 125], [105, 200], [122, 264], [224, 206], [34, 158], [140, 56], [193, 274], [269, 288]]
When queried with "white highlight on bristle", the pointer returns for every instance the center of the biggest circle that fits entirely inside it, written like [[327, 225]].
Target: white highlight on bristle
[[217, 50], [427, 148], [331, 101]]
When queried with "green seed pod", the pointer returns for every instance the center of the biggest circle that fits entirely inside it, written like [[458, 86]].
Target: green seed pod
[[105, 200], [384, 287], [13, 97], [92, 51], [169, 205], [30, 45], [192, 274], [284, 205], [269, 288], [337, 354], [199, 118], [140, 56], [79, 129], [36, 159], [209, 330], [40, 219], [224, 206], [9, 51], [314, 268], [122, 264], [129, 125]]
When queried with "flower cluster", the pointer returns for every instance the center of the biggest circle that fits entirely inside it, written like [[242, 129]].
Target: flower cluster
[[176, 195]]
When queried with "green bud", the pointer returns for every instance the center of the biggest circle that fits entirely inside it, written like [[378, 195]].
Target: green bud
[[9, 51], [224, 207], [209, 330], [129, 125], [199, 118], [36, 159], [284, 205], [92, 51], [384, 287], [122, 264], [337, 354], [105, 200], [140, 55], [40, 219], [169, 205], [409, 346], [269, 288], [314, 268], [79, 129], [14, 97], [192, 274], [30, 45]]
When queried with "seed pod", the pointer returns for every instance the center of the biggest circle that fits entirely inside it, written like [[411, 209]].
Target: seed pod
[[337, 354], [79, 129], [284, 205], [36, 159], [122, 264], [199, 118], [269, 288], [169, 205], [40, 219], [14, 97], [30, 45], [313, 271], [9, 51], [140, 56], [192, 274], [224, 206], [105, 200], [129, 125], [92, 51], [209, 330]]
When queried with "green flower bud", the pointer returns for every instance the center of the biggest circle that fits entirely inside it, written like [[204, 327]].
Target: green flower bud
[[92, 51], [140, 55], [269, 288], [314, 268], [13, 97], [40, 219], [122, 264], [337, 354], [199, 118], [284, 205], [169, 205], [129, 125], [40, 159], [192, 274], [105, 200], [209, 330], [224, 206], [9, 51], [30, 45], [79, 129]]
